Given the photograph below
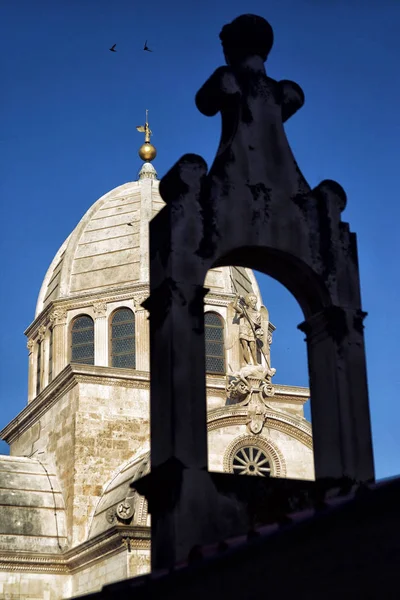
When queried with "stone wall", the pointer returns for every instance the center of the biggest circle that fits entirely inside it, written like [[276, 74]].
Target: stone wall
[[293, 456], [87, 434], [34, 586], [110, 569]]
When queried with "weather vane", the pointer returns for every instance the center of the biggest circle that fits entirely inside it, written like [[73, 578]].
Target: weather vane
[[145, 129], [147, 151]]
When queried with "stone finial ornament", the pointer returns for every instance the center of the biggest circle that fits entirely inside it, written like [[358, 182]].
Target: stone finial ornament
[[253, 208]]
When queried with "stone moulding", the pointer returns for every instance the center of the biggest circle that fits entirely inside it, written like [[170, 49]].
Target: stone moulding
[[106, 544], [70, 376], [85, 301], [299, 429]]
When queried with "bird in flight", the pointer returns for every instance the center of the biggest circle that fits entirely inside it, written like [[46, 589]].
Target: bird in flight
[[146, 47], [112, 49]]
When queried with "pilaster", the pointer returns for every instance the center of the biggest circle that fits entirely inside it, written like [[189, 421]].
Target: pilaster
[[58, 319], [100, 334], [31, 369], [339, 394], [142, 335]]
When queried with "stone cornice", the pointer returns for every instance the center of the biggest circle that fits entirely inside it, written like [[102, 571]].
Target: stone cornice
[[85, 300], [219, 299], [66, 380], [283, 393], [74, 374], [114, 295], [110, 542]]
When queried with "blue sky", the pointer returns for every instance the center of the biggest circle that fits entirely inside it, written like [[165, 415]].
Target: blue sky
[[68, 136]]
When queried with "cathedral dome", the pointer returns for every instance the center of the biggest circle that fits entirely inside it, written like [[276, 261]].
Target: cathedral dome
[[31, 507], [108, 249]]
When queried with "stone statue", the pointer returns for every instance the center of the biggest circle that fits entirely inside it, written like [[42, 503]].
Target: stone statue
[[250, 330]]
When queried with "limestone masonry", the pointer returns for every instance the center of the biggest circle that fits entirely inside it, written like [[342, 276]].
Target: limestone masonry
[[69, 522]]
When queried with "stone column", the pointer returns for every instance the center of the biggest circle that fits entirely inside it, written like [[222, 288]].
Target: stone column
[[31, 370], [58, 319], [142, 335], [339, 394], [100, 334]]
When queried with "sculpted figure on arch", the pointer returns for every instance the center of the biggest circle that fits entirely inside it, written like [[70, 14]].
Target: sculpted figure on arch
[[250, 330]]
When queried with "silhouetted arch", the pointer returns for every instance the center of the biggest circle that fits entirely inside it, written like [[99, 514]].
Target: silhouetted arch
[[297, 277]]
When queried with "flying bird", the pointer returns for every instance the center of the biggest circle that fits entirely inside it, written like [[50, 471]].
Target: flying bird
[[146, 47], [112, 49]]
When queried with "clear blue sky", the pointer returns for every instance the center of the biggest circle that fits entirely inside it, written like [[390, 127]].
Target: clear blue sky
[[70, 108]]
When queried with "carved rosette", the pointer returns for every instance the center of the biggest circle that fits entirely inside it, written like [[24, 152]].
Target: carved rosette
[[126, 509], [30, 345], [100, 309], [58, 317], [267, 389]]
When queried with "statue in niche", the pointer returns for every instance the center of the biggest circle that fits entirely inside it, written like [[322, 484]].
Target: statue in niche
[[250, 330]]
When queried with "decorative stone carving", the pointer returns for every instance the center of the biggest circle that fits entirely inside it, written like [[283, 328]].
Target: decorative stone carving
[[111, 515], [139, 299], [100, 309], [126, 509], [58, 317], [41, 333], [277, 461], [30, 345], [251, 386], [269, 339], [250, 330]]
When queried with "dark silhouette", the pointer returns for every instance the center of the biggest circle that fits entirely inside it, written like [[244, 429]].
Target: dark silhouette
[[112, 49], [146, 47]]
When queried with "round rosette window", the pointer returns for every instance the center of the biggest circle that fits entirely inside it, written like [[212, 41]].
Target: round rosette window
[[251, 460]]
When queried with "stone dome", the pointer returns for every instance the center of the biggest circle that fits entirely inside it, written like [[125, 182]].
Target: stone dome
[[120, 504], [108, 249], [32, 514]]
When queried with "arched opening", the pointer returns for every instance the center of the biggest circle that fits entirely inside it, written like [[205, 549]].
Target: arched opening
[[263, 395], [82, 340], [122, 339]]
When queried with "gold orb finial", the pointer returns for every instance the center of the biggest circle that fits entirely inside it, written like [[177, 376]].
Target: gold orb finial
[[147, 151]]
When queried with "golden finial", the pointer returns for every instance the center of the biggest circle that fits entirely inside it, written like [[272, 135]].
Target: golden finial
[[147, 151]]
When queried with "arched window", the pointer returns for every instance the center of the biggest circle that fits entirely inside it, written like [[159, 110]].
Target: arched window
[[250, 460], [122, 347], [214, 336], [82, 340], [38, 367]]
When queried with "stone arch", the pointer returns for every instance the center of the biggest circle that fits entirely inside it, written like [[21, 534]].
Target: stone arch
[[277, 463], [306, 286]]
